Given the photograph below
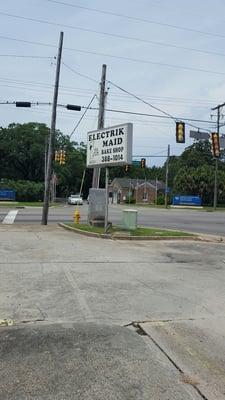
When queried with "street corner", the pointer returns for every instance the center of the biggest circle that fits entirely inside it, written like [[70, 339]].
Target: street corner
[[84, 361]]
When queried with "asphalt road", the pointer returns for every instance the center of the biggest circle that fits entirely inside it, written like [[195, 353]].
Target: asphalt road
[[182, 219], [74, 301]]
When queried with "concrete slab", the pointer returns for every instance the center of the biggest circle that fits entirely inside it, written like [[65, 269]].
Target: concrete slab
[[50, 275], [197, 348], [85, 362]]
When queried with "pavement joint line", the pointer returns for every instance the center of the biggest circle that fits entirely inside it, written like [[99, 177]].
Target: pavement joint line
[[167, 320], [10, 217], [97, 262], [79, 294], [140, 331]]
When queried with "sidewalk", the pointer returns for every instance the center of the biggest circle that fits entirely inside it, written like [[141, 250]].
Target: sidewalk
[[70, 298]]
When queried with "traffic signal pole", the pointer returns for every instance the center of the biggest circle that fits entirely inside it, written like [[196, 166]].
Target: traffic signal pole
[[44, 220], [217, 108], [167, 173], [216, 165]]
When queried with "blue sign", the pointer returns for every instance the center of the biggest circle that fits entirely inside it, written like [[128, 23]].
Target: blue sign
[[186, 201], [7, 194]]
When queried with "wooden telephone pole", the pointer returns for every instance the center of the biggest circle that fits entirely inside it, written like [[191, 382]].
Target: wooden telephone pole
[[101, 114], [44, 220]]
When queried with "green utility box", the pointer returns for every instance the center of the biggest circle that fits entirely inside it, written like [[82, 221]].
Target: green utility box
[[130, 219]]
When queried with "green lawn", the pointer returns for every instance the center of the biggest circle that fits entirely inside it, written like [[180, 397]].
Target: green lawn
[[140, 231], [14, 204]]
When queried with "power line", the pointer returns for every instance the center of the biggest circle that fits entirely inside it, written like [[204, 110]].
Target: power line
[[130, 17], [37, 103], [23, 56], [82, 116], [40, 90], [154, 115], [114, 35], [143, 101], [158, 109], [80, 74], [122, 96], [136, 60]]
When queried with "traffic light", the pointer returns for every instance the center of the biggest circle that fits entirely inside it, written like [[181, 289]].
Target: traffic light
[[62, 159], [57, 156], [23, 104], [126, 168], [73, 107], [215, 144], [180, 132], [143, 163]]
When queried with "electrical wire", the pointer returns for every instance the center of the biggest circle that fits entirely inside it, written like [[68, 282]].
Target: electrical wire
[[154, 115], [80, 74], [122, 96], [149, 104], [114, 35], [23, 56], [38, 103], [140, 99], [166, 114], [82, 116], [130, 17], [136, 60]]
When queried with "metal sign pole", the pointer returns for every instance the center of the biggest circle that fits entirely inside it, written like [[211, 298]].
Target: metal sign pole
[[106, 198]]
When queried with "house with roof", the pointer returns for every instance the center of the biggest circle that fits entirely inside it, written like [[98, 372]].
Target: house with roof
[[143, 191]]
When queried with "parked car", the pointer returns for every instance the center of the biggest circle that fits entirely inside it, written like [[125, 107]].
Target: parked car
[[75, 199]]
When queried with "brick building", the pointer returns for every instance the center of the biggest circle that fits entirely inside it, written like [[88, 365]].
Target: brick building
[[143, 191]]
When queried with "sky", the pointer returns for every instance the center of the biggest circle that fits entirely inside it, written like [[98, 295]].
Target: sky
[[169, 53]]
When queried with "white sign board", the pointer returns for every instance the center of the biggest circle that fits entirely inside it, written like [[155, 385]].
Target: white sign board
[[110, 146]]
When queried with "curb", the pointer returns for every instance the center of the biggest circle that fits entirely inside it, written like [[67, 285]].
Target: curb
[[84, 233], [122, 237]]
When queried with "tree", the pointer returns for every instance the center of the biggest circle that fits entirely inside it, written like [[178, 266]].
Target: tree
[[22, 148], [197, 154]]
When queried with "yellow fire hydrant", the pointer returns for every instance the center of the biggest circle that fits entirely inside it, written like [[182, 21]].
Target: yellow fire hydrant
[[76, 216]]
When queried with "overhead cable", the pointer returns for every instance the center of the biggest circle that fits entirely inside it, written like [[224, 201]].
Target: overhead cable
[[114, 35], [82, 116], [148, 21], [136, 60]]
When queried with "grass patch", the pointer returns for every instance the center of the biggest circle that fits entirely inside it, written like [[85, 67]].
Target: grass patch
[[140, 231], [13, 204], [87, 227]]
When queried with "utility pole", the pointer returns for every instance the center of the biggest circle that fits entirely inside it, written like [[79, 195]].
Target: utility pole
[[52, 135], [156, 191], [101, 114], [167, 173], [217, 108], [82, 182], [46, 146]]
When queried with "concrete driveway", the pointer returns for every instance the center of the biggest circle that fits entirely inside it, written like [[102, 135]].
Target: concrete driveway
[[55, 284]]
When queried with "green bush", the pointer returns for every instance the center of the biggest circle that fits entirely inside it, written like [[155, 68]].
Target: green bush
[[161, 199], [25, 190], [130, 200]]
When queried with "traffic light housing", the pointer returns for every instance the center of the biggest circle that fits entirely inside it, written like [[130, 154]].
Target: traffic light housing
[[143, 163], [62, 159], [215, 144], [57, 156], [23, 104], [180, 132]]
